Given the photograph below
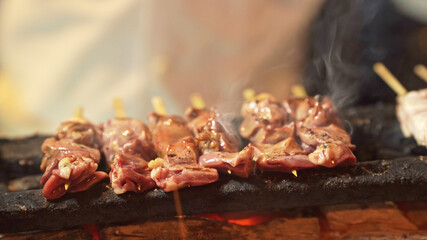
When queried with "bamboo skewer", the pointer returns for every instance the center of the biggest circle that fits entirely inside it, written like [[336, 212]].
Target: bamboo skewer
[[249, 94], [299, 91], [197, 101], [421, 71], [119, 110], [389, 78], [77, 115], [159, 108], [158, 105], [78, 112]]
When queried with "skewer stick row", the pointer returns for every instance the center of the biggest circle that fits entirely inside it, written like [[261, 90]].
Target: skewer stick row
[[78, 112], [421, 71], [159, 108], [118, 108], [299, 91], [249, 94], [158, 105], [389, 78], [197, 101]]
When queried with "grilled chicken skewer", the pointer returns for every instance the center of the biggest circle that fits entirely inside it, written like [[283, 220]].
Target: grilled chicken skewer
[[296, 134], [128, 148], [219, 149], [71, 158], [177, 165]]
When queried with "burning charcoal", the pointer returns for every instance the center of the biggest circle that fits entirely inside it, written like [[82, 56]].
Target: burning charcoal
[[165, 228], [358, 221], [77, 233], [416, 212], [25, 183]]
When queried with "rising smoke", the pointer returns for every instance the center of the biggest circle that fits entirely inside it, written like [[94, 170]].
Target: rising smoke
[[347, 37]]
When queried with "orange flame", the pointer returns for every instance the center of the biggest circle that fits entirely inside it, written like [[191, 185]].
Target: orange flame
[[256, 219]]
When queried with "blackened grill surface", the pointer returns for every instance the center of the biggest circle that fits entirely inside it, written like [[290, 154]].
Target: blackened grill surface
[[21, 157], [376, 132], [403, 179]]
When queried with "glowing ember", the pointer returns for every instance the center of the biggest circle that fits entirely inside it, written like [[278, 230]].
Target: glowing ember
[[255, 219], [93, 230]]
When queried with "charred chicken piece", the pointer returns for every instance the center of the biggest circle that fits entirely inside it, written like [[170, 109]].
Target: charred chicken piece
[[214, 138], [265, 112], [267, 136], [327, 146], [130, 171], [69, 167], [80, 131], [197, 119], [237, 163], [220, 150], [178, 166], [284, 156], [167, 130], [298, 134], [119, 131], [312, 111]]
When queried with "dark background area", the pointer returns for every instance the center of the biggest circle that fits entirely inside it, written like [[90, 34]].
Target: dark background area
[[348, 37]]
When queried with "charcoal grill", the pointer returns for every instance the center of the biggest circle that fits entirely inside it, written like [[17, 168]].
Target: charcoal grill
[[378, 137]]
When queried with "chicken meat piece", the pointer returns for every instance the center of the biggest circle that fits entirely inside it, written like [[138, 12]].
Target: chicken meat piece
[[284, 156], [197, 119], [130, 171], [69, 167], [263, 112], [178, 166], [220, 150], [329, 146], [312, 111], [119, 131], [236, 163], [80, 131]]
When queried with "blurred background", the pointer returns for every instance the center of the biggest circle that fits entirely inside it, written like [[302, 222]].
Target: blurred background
[[58, 55]]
